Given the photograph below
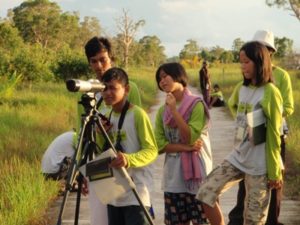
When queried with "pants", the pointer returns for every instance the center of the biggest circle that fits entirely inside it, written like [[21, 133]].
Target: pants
[[127, 215], [224, 177], [236, 214]]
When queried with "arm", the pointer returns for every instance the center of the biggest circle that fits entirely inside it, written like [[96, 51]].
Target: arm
[[196, 123], [272, 106], [283, 82], [134, 96], [148, 147], [234, 99], [182, 126]]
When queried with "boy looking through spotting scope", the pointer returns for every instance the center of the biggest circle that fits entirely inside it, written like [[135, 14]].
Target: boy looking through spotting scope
[[131, 132]]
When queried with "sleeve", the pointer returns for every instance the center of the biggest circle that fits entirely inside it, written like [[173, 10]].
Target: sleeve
[[283, 82], [159, 130], [272, 106], [148, 152], [234, 99], [197, 121], [134, 96]]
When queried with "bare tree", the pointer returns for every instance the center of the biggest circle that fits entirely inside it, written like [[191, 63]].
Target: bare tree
[[128, 29], [292, 5]]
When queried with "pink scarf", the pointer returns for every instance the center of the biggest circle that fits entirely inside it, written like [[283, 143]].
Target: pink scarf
[[191, 167]]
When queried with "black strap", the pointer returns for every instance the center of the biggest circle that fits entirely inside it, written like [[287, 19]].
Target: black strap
[[99, 102], [118, 145], [120, 124]]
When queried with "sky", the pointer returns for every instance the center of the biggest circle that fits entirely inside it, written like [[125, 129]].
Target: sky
[[210, 22]]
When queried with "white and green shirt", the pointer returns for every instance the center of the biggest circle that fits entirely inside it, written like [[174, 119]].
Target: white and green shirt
[[138, 142], [263, 158]]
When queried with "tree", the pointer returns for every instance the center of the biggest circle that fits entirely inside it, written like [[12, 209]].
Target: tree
[[42, 22], [151, 50], [190, 50], [216, 52], [236, 46], [128, 29], [291, 5], [38, 21], [89, 27], [226, 57], [284, 47]]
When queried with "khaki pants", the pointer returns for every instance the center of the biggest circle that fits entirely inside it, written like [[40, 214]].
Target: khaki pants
[[225, 176]]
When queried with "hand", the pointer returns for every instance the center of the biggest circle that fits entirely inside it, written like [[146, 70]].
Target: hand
[[106, 124], [274, 184], [171, 101], [197, 145], [119, 161], [84, 187]]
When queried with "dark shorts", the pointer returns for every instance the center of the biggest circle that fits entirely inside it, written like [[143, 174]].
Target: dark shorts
[[126, 215], [182, 208]]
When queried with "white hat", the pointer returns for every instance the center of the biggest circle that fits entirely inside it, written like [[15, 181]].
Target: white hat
[[265, 37]]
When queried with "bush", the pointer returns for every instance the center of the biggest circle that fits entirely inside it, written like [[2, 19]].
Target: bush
[[71, 64]]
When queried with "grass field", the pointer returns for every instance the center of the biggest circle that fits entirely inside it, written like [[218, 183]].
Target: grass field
[[36, 114]]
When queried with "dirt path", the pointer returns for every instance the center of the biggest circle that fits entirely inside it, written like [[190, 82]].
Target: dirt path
[[221, 131]]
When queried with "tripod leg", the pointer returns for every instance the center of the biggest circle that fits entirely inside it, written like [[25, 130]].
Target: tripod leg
[[77, 209]]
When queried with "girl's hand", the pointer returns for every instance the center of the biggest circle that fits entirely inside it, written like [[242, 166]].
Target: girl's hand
[[274, 184], [119, 161], [171, 101], [197, 145]]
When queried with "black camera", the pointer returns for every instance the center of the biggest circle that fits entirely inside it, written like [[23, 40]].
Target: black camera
[[92, 85]]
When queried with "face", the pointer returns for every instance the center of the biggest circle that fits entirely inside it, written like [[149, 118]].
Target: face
[[247, 66], [100, 63], [114, 93], [167, 84]]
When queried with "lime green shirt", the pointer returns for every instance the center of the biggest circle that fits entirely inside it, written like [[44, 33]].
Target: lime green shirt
[[283, 83]]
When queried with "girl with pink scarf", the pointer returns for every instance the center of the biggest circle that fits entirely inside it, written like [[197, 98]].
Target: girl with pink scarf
[[181, 130]]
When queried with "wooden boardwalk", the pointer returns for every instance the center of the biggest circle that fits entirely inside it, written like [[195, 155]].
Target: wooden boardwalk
[[221, 131]]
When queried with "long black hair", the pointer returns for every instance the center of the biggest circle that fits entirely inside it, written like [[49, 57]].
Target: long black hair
[[260, 56]]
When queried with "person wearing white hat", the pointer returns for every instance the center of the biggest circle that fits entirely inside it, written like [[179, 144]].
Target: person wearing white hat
[[283, 83]]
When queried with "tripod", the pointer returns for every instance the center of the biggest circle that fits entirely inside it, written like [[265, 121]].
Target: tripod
[[87, 143]]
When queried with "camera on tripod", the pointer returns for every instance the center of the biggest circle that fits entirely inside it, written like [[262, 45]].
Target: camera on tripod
[[92, 85]]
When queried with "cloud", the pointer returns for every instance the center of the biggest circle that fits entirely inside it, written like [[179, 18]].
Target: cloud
[[106, 10]]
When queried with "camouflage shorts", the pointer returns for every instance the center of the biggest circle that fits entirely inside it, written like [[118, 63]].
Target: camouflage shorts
[[225, 176]]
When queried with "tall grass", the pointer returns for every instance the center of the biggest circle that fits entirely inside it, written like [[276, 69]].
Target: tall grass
[[145, 80]]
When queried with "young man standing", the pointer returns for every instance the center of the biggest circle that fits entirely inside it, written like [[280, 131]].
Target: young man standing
[[98, 51]]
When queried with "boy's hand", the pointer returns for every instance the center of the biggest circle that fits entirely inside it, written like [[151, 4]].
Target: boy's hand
[[119, 161], [106, 124], [274, 184]]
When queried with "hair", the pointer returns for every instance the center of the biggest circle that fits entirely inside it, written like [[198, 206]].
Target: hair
[[96, 45], [175, 70], [260, 56], [216, 86], [115, 73]]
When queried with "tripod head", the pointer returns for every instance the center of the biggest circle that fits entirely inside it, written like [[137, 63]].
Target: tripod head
[[88, 101]]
